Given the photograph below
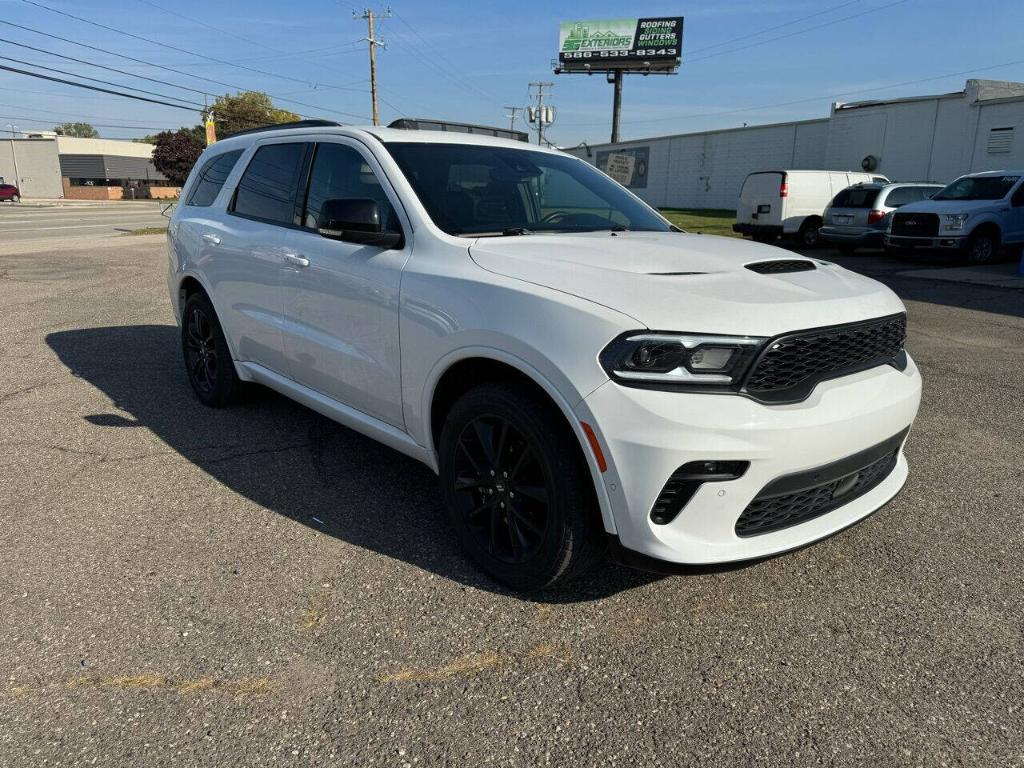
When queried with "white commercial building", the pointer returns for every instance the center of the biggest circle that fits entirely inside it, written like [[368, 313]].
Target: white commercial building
[[924, 138]]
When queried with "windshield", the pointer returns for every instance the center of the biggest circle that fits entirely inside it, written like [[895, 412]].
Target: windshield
[[482, 190], [978, 188]]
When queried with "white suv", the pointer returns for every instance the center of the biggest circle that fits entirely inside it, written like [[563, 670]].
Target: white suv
[[582, 375]]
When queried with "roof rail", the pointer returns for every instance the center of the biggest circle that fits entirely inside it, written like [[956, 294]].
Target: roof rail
[[281, 126], [421, 124]]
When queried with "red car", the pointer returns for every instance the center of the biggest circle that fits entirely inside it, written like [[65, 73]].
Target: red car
[[9, 192]]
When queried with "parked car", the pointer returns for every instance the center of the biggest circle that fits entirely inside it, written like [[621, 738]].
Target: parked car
[[581, 374], [977, 214], [774, 204], [10, 192], [859, 215]]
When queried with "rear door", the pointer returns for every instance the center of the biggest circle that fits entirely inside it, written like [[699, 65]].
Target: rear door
[[760, 201], [848, 213], [247, 250]]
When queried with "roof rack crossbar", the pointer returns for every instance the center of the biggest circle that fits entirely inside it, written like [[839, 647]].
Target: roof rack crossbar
[[283, 126], [424, 124]]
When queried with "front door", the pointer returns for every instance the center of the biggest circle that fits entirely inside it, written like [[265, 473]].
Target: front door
[[342, 309]]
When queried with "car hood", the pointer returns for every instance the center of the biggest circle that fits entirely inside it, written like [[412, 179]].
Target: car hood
[[950, 206], [687, 282]]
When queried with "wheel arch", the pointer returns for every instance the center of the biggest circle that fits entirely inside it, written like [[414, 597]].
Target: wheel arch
[[470, 367], [190, 283], [989, 227]]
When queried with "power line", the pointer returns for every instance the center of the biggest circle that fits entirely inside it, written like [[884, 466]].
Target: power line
[[102, 66], [92, 87], [427, 53], [95, 80], [213, 59], [788, 35], [51, 120], [136, 60], [772, 29]]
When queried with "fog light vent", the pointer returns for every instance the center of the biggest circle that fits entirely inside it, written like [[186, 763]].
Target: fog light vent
[[685, 481]]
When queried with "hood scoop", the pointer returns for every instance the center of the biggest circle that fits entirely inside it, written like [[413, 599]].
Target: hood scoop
[[779, 266]]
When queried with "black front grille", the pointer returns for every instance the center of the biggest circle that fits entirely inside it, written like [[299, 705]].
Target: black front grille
[[792, 365], [906, 224], [780, 266], [771, 511]]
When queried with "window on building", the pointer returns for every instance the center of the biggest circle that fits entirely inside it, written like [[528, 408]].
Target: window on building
[[341, 172], [267, 189], [212, 177], [1000, 141]]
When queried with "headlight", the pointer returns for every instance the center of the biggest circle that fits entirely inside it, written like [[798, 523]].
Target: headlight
[[683, 359], [954, 221]]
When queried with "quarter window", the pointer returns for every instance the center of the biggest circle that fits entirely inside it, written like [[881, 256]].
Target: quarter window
[[903, 195], [267, 189], [340, 172], [211, 178]]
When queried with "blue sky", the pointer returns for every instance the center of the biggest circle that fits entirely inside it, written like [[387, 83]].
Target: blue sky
[[468, 60]]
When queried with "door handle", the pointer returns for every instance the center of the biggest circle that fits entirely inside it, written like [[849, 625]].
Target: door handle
[[211, 238], [296, 260]]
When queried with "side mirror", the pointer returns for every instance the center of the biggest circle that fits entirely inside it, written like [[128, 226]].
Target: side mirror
[[355, 220]]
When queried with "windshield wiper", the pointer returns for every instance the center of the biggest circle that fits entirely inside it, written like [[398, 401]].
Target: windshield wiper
[[514, 231]]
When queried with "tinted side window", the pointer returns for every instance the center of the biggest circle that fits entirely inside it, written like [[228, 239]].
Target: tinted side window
[[902, 196], [340, 172], [267, 188], [211, 178]]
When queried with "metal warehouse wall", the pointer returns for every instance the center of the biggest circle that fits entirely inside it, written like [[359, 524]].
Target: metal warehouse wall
[[38, 169], [706, 170], [930, 138]]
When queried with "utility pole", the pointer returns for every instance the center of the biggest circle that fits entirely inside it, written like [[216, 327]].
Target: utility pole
[[369, 15], [513, 111], [541, 115]]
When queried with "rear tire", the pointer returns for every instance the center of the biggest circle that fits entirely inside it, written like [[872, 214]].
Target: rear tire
[[15, 198], [809, 235], [208, 363], [518, 492]]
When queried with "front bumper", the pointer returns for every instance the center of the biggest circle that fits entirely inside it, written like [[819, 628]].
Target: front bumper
[[648, 434], [944, 243], [868, 238]]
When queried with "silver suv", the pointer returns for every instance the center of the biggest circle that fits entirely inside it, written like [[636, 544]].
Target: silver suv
[[859, 215]]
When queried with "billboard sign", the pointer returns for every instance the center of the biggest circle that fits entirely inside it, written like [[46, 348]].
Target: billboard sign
[[601, 44]]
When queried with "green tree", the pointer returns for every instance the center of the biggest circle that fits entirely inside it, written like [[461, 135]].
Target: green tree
[[78, 130], [196, 130], [244, 110], [176, 152]]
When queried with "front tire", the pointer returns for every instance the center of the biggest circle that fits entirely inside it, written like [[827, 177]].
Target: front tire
[[517, 489], [15, 198], [208, 363], [982, 248]]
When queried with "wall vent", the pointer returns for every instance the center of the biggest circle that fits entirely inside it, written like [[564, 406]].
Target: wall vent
[[1000, 141]]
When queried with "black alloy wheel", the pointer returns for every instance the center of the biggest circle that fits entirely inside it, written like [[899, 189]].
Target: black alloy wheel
[[982, 248], [208, 363], [517, 488], [200, 350], [502, 487]]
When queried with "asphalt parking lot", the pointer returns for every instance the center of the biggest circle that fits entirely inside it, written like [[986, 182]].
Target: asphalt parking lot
[[260, 586], [28, 222]]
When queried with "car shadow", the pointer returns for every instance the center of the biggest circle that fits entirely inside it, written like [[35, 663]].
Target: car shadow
[[292, 461]]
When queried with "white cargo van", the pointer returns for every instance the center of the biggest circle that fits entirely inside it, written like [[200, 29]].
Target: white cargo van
[[777, 203]]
